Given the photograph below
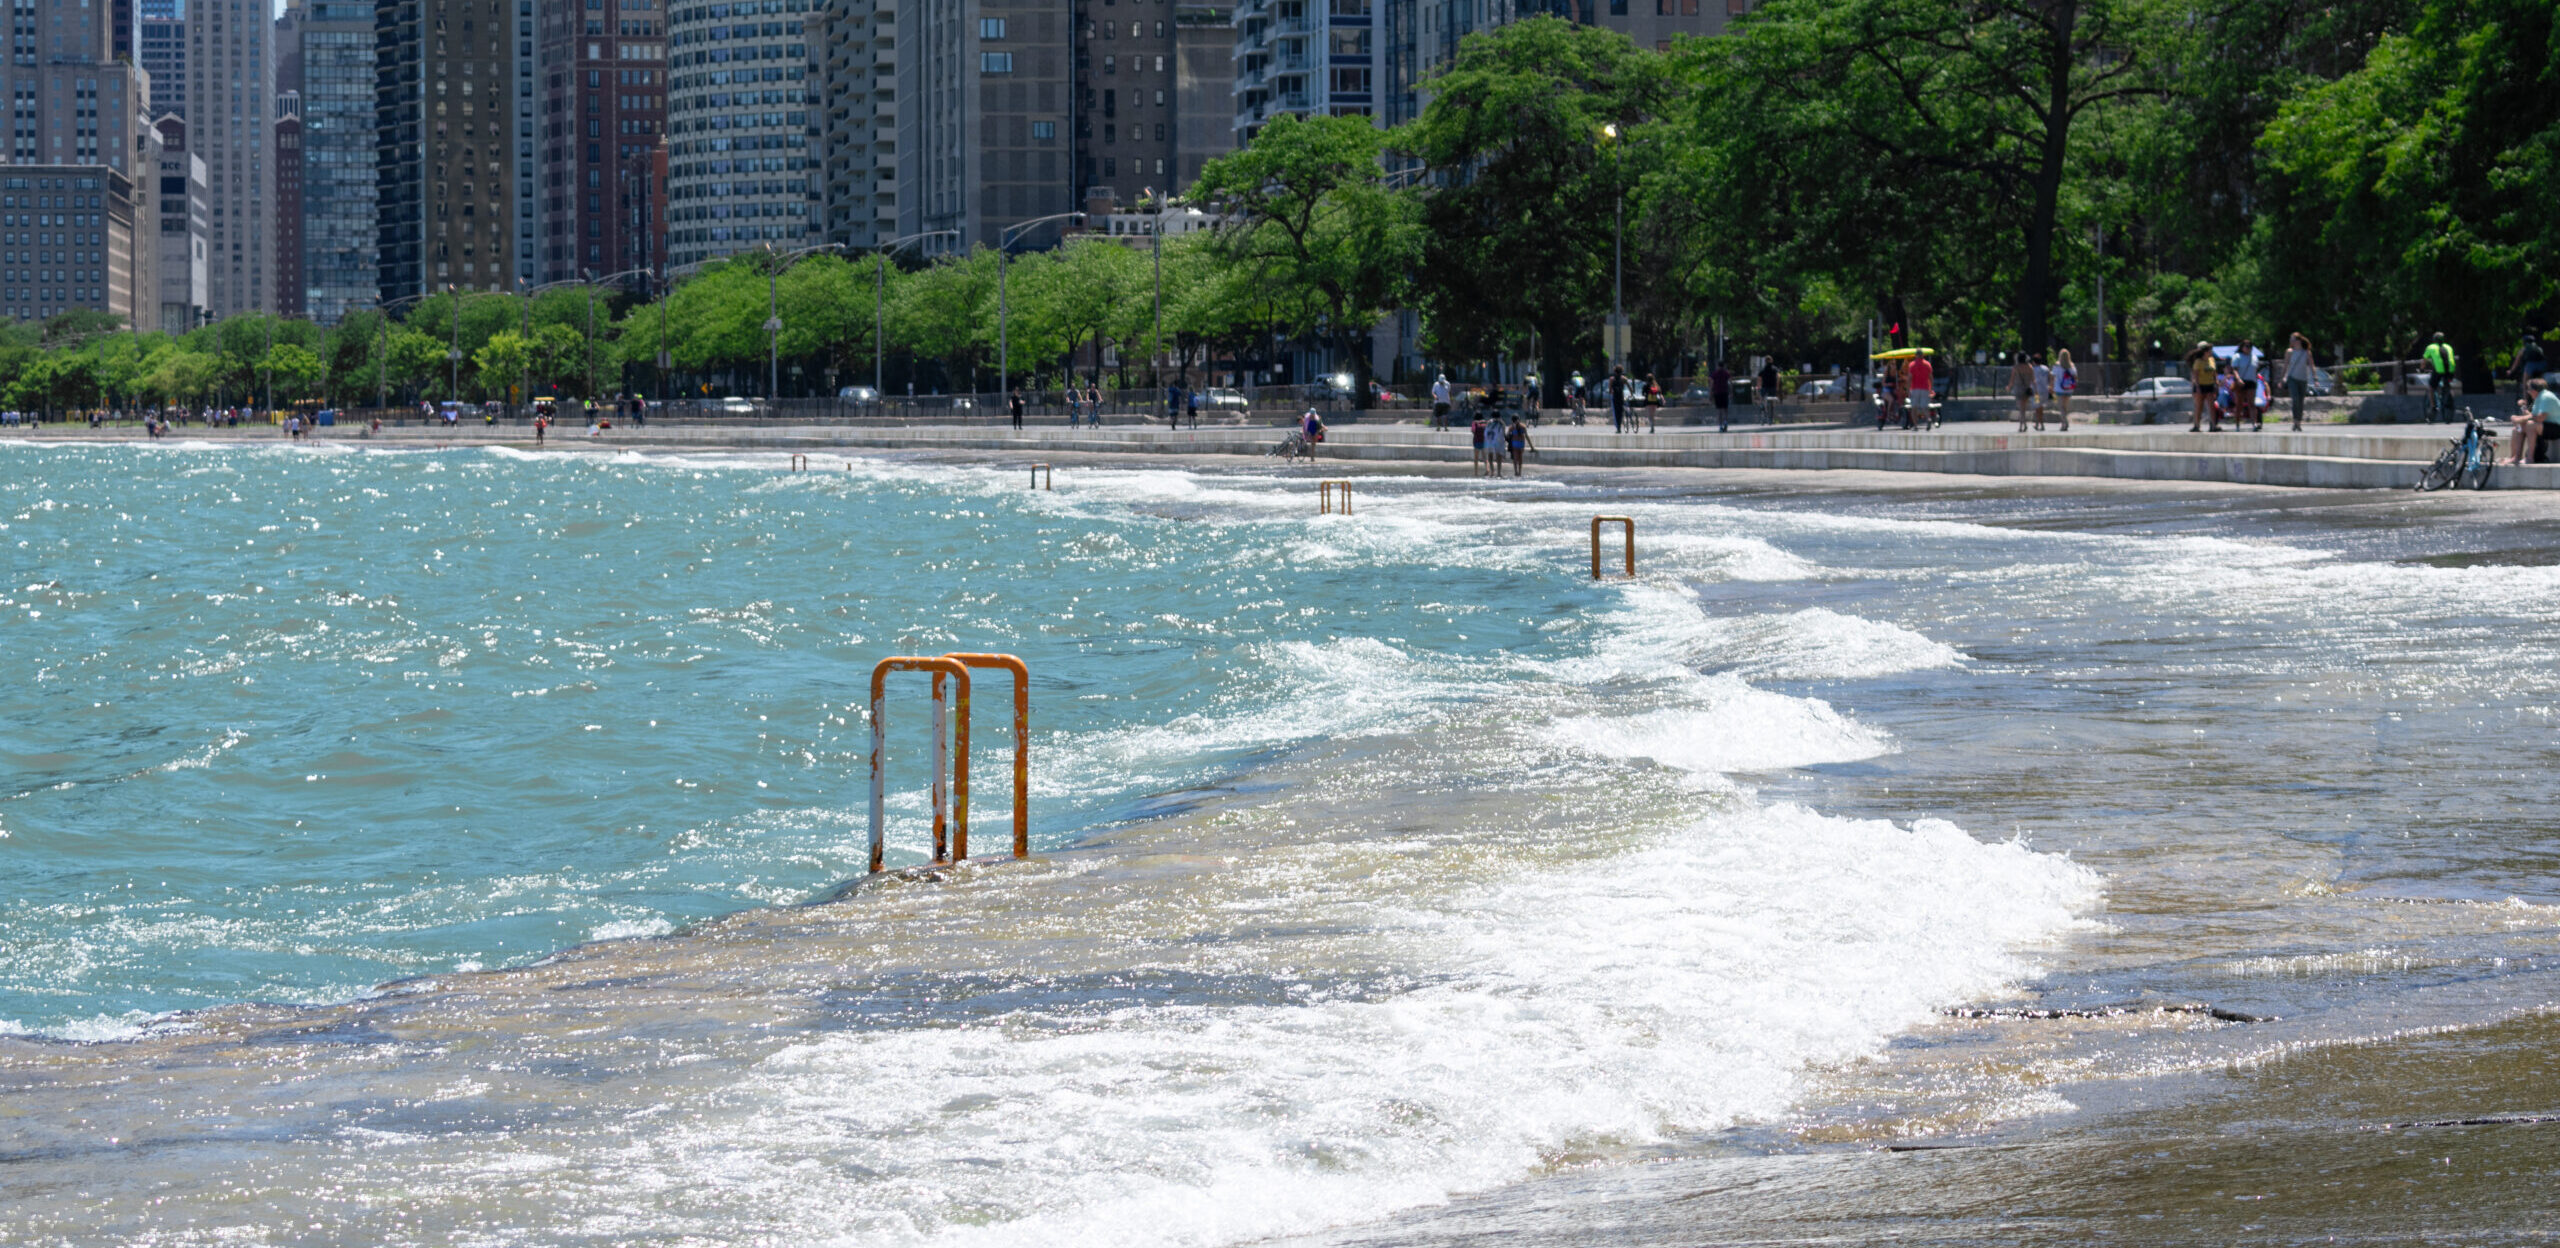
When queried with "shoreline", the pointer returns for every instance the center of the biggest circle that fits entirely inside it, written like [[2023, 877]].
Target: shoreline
[[2349, 457]]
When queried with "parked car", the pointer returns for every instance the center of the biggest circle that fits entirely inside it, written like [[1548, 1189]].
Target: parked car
[[858, 394], [1824, 388], [2159, 388], [732, 405], [1224, 397]]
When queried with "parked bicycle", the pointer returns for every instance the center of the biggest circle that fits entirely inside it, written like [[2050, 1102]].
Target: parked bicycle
[[1295, 446], [2467, 462]]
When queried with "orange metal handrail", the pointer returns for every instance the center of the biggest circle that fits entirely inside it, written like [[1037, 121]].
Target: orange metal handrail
[[1036, 470], [1324, 497], [799, 463], [1596, 522], [1021, 750], [879, 741]]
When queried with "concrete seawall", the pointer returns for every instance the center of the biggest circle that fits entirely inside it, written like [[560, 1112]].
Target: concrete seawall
[[2330, 460], [2335, 457]]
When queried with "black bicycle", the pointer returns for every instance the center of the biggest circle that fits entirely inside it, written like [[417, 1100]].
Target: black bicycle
[[2468, 462]]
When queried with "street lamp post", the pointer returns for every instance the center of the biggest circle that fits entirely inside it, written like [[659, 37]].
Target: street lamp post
[[773, 312], [382, 352], [591, 283], [879, 303], [1617, 253], [1004, 308], [1155, 349], [453, 353], [525, 373]]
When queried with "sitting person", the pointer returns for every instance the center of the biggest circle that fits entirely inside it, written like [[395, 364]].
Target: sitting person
[[2534, 416]]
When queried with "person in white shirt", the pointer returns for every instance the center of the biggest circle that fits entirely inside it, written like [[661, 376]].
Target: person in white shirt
[[1440, 400], [2043, 388]]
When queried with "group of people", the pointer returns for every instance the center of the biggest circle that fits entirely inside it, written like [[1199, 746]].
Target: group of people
[[2241, 386], [1492, 438], [2044, 387], [1906, 389]]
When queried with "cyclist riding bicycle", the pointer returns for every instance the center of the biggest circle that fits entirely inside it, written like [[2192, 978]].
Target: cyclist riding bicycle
[[2440, 363]]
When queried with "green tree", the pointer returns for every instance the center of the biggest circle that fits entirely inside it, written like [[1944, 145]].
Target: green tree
[[1520, 236], [502, 362], [1308, 215], [1907, 146], [947, 312], [2414, 194], [292, 371]]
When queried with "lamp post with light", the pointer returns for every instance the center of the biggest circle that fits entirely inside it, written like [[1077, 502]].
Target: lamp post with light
[[1004, 331]]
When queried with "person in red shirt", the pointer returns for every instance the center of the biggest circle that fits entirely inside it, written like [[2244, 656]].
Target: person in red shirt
[[1922, 379]]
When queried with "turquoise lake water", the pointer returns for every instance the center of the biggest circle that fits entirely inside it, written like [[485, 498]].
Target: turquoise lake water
[[1383, 860], [297, 724]]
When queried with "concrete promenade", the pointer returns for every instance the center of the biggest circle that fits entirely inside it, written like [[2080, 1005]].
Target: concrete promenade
[[2332, 457]]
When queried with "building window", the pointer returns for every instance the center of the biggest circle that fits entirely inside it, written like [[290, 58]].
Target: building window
[[995, 62], [1617, 8], [1351, 81], [1044, 131], [991, 28], [1111, 64]]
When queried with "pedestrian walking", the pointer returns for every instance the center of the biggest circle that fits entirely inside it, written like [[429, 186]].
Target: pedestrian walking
[[1768, 390], [2066, 382], [2043, 382], [1191, 405], [2297, 374], [2203, 374], [1440, 402], [1014, 403], [1093, 404], [2244, 382], [1517, 438], [1172, 405], [1922, 378], [2022, 384], [2529, 362], [1720, 393], [1616, 388]]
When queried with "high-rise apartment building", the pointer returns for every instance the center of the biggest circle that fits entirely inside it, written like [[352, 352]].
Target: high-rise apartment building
[[1155, 97], [742, 108], [338, 226], [76, 115], [90, 219], [985, 106], [232, 73], [1308, 58], [288, 207], [163, 54], [183, 215], [528, 180], [445, 111], [288, 161], [604, 70], [853, 158]]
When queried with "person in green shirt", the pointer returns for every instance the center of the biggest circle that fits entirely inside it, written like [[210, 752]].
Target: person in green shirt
[[2540, 405], [2440, 363]]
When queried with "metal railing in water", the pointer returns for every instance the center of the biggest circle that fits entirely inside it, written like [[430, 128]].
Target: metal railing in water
[[1327, 500], [1596, 522], [950, 731]]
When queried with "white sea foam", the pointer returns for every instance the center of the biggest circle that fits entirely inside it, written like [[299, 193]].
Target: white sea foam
[[1725, 726], [1678, 988], [1819, 644]]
